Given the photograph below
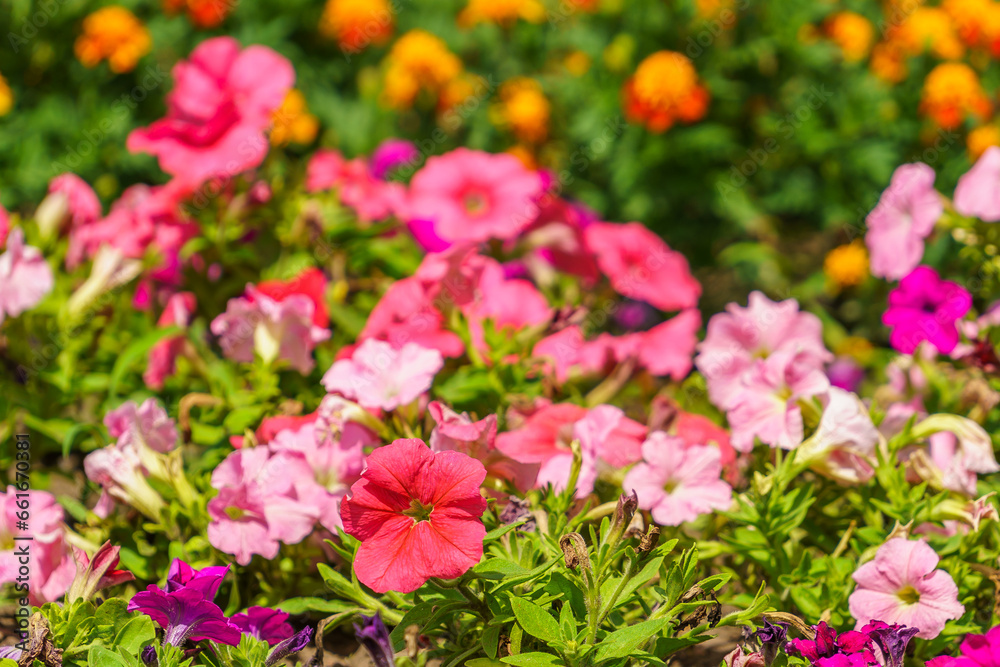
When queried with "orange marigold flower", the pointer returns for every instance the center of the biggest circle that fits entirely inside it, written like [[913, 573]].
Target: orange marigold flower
[[980, 139], [6, 97], [717, 9], [292, 122], [524, 109], [357, 23], [577, 63], [928, 29], [113, 34], [847, 265], [525, 155], [665, 88], [502, 12], [888, 62], [967, 16], [201, 13], [418, 61], [989, 23], [852, 32], [951, 92]]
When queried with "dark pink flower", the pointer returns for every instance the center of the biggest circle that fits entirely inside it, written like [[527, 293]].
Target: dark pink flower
[[976, 651], [925, 308], [162, 362], [185, 614], [263, 623], [392, 154], [417, 515], [218, 111]]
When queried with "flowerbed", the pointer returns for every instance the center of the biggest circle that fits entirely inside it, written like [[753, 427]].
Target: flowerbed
[[429, 400]]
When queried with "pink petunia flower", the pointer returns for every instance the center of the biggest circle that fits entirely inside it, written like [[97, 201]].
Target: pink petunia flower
[[407, 314], [162, 362], [474, 196], [371, 198], [52, 567], [766, 405], [678, 483], [977, 194], [642, 266], [904, 216], [273, 329], [924, 307], [958, 451], [843, 446], [218, 111], [417, 515], [507, 303], [380, 376], [901, 585], [70, 199], [392, 154], [736, 338], [146, 425], [25, 276]]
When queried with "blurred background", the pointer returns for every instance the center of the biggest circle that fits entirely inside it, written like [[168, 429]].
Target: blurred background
[[753, 135]]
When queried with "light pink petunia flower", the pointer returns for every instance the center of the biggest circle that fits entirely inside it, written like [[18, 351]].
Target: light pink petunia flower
[[142, 425], [736, 338], [25, 276], [904, 216], [274, 329], [843, 446], [678, 483], [379, 376], [642, 266], [474, 196], [766, 406], [51, 567], [977, 194], [901, 585], [218, 111]]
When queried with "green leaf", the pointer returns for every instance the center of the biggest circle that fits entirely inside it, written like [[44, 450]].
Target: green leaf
[[536, 621], [475, 662], [415, 616], [567, 622], [533, 660], [621, 643], [491, 640], [498, 568], [499, 532], [302, 605], [102, 657], [136, 634], [138, 349]]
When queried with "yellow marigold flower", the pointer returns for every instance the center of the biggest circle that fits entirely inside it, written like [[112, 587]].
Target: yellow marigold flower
[[577, 63], [952, 92], [980, 139], [113, 34], [664, 89], [357, 23], [928, 28], [524, 109], [847, 265], [853, 33], [418, 60], [6, 97], [292, 121], [503, 12], [460, 91]]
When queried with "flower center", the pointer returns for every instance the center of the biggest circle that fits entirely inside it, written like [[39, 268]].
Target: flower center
[[475, 203], [234, 513], [418, 511], [671, 485], [909, 595]]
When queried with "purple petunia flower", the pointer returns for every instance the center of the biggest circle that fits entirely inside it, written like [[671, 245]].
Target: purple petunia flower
[[263, 623], [206, 580], [924, 307], [374, 636], [10, 653], [148, 656], [185, 614], [293, 644], [891, 641]]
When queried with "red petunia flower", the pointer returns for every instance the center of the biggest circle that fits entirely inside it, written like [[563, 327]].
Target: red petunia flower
[[417, 514]]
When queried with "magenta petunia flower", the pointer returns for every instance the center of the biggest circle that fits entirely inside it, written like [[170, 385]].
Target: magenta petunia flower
[[642, 266], [274, 329], [474, 196], [738, 337], [206, 580], [417, 515], [263, 623], [678, 483], [380, 376], [901, 585], [392, 154], [925, 308], [976, 651], [218, 111], [977, 194], [185, 614], [904, 216], [827, 649], [25, 276]]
